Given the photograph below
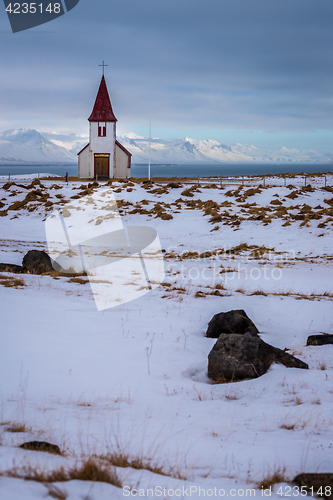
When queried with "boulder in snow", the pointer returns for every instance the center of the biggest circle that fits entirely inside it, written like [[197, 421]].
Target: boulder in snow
[[236, 357], [37, 262], [236, 321], [316, 482]]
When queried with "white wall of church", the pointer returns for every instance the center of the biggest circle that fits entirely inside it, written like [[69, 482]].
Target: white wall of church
[[84, 164], [102, 144], [121, 171]]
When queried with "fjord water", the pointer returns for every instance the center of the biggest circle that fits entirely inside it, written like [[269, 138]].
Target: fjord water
[[173, 170]]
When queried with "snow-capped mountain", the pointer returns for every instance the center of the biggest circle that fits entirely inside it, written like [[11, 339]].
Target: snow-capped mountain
[[72, 142], [209, 151], [29, 146]]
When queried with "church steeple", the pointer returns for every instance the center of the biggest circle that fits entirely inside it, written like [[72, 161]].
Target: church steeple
[[102, 111]]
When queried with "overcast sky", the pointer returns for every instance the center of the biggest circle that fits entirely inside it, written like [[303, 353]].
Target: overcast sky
[[254, 71]]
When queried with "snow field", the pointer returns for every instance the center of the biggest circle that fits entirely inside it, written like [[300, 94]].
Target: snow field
[[132, 379]]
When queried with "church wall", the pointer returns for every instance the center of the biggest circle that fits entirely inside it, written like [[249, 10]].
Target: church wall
[[84, 164], [102, 145], [122, 170]]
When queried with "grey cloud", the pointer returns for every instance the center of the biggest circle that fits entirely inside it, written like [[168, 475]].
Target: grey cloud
[[240, 63]]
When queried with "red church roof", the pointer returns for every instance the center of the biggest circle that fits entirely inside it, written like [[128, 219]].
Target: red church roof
[[102, 111]]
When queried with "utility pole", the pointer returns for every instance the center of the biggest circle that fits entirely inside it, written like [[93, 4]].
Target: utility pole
[[149, 148]]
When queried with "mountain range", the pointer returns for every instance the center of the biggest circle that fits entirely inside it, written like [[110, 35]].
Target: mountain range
[[22, 146]]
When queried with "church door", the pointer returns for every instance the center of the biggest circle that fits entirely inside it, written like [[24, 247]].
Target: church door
[[102, 163]]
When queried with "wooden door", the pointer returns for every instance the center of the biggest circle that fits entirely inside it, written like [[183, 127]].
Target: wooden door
[[102, 166]]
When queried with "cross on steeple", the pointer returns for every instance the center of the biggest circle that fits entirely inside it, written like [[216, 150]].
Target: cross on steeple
[[103, 66]]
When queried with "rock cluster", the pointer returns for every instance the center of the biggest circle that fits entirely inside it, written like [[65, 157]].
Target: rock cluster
[[239, 352]]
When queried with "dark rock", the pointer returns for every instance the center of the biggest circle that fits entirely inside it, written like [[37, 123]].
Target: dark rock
[[318, 482], [41, 446], [230, 322], [236, 357], [37, 262], [11, 268], [319, 340]]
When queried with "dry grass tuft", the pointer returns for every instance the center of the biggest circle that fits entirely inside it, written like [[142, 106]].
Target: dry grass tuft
[[17, 427], [278, 475], [56, 492], [259, 292], [90, 470], [231, 396], [11, 282], [78, 280], [123, 459]]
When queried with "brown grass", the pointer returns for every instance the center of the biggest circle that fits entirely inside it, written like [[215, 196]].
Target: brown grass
[[11, 282], [78, 280], [17, 427], [56, 492], [90, 470], [122, 459], [278, 475]]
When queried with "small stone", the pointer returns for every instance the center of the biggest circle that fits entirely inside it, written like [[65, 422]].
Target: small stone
[[319, 340], [41, 446]]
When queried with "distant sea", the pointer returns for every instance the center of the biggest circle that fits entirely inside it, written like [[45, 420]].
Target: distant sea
[[173, 170]]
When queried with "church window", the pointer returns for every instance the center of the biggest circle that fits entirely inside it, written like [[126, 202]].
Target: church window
[[101, 130]]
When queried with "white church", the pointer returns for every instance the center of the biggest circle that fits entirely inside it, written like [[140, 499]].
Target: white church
[[103, 157]]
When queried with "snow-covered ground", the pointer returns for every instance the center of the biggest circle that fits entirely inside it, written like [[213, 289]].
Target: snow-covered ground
[[128, 385]]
